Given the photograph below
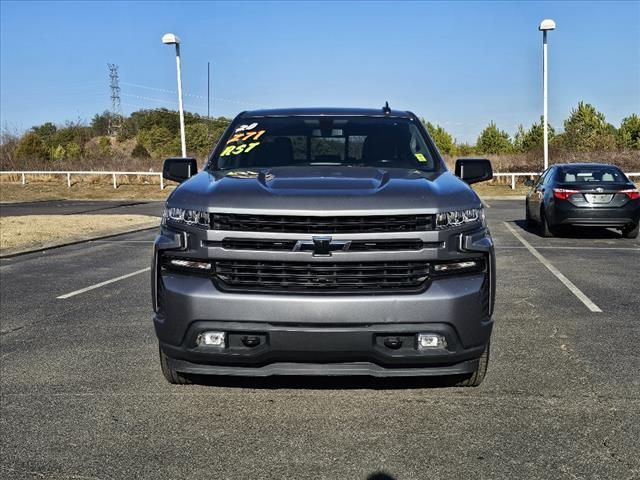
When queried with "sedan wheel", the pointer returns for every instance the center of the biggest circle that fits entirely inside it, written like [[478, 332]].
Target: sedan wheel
[[528, 220], [544, 228], [631, 232]]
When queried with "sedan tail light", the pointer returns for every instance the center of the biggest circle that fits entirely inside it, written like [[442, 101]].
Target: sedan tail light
[[632, 193], [563, 193]]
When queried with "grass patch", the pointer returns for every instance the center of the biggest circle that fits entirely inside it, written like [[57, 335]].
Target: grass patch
[[500, 190], [36, 231]]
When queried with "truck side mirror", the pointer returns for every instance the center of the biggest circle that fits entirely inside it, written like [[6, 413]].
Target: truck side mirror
[[473, 170], [179, 169]]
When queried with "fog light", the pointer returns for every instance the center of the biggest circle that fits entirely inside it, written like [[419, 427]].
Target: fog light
[[214, 339], [431, 340]]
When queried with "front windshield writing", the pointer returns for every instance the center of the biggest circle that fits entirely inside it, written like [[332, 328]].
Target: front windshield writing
[[315, 141]]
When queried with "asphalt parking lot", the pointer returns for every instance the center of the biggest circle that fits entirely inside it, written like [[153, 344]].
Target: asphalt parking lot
[[77, 207], [82, 395]]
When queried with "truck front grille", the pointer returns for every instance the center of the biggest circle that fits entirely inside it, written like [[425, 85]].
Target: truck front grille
[[315, 224], [374, 277], [290, 245]]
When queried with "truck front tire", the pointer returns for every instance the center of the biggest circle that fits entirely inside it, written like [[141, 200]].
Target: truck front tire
[[170, 374], [475, 379]]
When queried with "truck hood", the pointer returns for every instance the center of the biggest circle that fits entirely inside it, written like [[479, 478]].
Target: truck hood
[[324, 189]]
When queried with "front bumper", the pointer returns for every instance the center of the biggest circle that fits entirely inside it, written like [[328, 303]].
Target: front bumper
[[330, 330], [295, 350], [326, 334]]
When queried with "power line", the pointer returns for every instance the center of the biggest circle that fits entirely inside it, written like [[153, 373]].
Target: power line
[[160, 100], [202, 97], [147, 107]]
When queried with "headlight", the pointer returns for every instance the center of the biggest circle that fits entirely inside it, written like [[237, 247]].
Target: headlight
[[471, 265], [193, 218], [186, 264], [459, 217]]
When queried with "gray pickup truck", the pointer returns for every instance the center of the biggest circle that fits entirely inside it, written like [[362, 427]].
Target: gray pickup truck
[[324, 242]]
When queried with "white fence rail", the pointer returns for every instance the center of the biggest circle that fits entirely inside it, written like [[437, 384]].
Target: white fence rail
[[514, 175], [114, 175]]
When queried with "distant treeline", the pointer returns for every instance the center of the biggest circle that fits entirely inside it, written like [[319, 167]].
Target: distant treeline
[[586, 130], [147, 136]]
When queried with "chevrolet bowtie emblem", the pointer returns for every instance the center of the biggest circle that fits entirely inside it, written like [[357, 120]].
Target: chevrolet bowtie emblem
[[321, 246]]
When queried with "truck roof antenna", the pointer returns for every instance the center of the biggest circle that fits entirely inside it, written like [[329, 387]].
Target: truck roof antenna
[[386, 110]]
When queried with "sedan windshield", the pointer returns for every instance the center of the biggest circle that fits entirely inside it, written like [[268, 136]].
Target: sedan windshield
[[594, 173], [316, 141]]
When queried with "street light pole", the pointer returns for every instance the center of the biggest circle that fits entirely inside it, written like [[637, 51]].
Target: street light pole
[[183, 140], [171, 39], [545, 26], [544, 99]]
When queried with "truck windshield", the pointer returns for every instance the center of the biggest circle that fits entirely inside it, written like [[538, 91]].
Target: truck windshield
[[316, 141]]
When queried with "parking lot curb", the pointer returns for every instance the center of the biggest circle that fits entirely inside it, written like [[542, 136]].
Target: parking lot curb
[[77, 240]]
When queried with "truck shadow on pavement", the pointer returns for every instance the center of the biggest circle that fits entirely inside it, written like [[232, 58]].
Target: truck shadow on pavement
[[380, 476], [326, 382]]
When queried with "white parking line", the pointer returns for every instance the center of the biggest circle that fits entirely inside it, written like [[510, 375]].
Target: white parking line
[[123, 241], [485, 204], [102, 284], [568, 283], [552, 247]]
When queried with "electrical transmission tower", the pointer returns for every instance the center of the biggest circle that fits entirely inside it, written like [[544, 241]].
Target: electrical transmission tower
[[116, 111]]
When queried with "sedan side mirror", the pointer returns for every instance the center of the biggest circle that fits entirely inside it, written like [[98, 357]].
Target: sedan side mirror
[[528, 182], [473, 170], [179, 169]]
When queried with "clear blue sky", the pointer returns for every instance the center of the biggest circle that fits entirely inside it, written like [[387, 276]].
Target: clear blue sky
[[459, 64]]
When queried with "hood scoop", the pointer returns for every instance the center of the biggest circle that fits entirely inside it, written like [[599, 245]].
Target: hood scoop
[[323, 178]]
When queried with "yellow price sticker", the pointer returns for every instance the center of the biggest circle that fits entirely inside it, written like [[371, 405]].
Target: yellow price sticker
[[243, 137], [238, 149], [420, 157]]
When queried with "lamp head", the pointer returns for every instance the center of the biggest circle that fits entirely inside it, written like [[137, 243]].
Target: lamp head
[[170, 39], [547, 24]]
